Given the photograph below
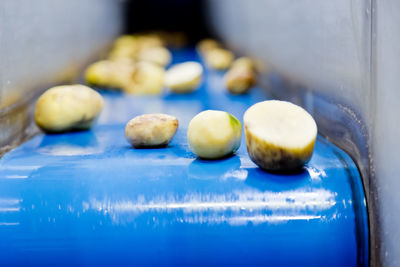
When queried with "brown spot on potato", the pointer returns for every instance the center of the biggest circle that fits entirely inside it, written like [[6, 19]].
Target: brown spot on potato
[[151, 130], [239, 80], [274, 158]]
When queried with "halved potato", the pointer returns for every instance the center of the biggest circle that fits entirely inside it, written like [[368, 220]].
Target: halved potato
[[67, 107], [279, 135], [218, 58], [151, 130], [214, 134], [184, 77]]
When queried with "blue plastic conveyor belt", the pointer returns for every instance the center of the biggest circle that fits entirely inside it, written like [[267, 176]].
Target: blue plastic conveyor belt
[[88, 198]]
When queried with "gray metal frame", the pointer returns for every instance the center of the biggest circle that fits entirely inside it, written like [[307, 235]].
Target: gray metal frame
[[340, 60]]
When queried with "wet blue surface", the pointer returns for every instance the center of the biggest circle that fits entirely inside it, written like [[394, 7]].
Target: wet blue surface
[[86, 198]]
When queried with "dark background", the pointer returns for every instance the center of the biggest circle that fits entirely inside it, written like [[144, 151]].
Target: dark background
[[173, 15]]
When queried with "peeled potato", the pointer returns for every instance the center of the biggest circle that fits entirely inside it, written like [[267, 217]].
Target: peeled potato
[[184, 77], [110, 74], [124, 74], [126, 41], [214, 134], [239, 80], [151, 130], [123, 52], [219, 59], [147, 78], [279, 135], [99, 73], [244, 63], [125, 46], [149, 40], [68, 107], [158, 55], [130, 46], [206, 45]]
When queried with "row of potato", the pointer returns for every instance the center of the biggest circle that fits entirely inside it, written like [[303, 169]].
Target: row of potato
[[279, 135], [241, 74], [136, 65]]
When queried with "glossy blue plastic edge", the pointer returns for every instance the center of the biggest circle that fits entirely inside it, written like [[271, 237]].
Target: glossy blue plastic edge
[[88, 198]]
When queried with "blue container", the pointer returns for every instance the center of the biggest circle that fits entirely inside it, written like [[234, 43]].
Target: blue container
[[88, 198]]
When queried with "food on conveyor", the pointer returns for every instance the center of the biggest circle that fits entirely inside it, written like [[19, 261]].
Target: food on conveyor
[[207, 45], [214, 134], [238, 80], [241, 76], [138, 41], [158, 55], [68, 107], [218, 58], [110, 74], [184, 77], [130, 46], [124, 51], [147, 78], [279, 135], [151, 130], [126, 75], [149, 40], [245, 63], [127, 40], [135, 65]]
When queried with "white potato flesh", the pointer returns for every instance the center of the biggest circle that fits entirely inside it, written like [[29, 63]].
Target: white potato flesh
[[184, 77], [279, 135], [68, 107], [214, 134], [150, 130]]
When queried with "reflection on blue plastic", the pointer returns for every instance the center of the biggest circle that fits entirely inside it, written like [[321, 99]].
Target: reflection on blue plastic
[[88, 198]]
